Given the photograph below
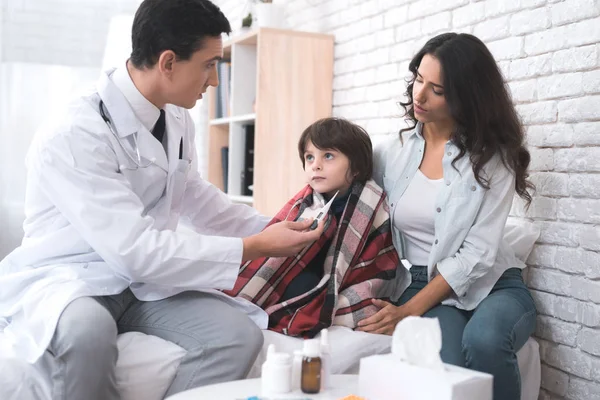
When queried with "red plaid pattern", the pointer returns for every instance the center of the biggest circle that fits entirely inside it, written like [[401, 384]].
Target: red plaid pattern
[[360, 265]]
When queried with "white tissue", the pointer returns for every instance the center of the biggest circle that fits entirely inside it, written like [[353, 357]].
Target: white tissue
[[418, 341]]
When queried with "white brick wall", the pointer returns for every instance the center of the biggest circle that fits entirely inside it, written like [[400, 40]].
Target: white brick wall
[[549, 52], [547, 49], [49, 50], [62, 32]]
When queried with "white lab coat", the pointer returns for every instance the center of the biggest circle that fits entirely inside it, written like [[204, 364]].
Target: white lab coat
[[97, 223]]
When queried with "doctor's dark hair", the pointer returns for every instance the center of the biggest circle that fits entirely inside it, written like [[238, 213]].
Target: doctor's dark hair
[[347, 138], [177, 25], [486, 122]]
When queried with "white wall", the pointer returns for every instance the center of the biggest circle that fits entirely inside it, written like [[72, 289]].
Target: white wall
[[49, 51], [547, 49], [549, 52], [59, 32], [30, 93]]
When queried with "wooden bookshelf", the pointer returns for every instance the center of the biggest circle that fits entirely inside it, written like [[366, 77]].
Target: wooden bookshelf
[[281, 81]]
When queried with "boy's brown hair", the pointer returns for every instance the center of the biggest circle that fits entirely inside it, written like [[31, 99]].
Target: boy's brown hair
[[344, 136]]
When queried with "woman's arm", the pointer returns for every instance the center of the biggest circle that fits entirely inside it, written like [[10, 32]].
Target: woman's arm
[[475, 257], [381, 145], [384, 322], [436, 291], [478, 251]]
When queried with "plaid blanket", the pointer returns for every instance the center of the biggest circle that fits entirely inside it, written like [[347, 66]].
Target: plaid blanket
[[360, 265]]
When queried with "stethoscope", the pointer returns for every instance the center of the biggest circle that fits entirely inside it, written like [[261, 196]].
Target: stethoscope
[[137, 161]]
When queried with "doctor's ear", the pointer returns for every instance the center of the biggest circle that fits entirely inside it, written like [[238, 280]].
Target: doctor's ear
[[166, 60]]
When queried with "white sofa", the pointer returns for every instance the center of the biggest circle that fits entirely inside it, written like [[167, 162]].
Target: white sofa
[[147, 364], [347, 346]]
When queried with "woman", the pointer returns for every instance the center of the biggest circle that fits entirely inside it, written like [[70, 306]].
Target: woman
[[451, 179]]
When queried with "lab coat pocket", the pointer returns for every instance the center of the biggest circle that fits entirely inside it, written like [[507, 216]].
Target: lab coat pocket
[[178, 183], [147, 182]]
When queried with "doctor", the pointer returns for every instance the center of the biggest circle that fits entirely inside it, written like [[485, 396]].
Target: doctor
[[106, 189]]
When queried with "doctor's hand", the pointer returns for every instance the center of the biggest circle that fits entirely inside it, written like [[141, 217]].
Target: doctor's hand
[[283, 239], [384, 322]]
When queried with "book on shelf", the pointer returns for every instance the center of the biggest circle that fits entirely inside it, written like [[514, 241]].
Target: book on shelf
[[248, 172], [223, 91], [225, 165]]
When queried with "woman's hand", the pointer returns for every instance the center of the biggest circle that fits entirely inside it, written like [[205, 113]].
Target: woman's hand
[[384, 322], [389, 315]]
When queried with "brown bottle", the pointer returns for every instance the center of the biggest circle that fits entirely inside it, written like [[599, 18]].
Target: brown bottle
[[310, 381]]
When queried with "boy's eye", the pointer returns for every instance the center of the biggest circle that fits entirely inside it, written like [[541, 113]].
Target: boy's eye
[[309, 157], [210, 65], [328, 156]]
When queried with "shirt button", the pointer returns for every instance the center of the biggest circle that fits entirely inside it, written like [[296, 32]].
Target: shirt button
[[438, 209], [392, 205], [473, 188], [448, 183], [436, 241], [449, 153]]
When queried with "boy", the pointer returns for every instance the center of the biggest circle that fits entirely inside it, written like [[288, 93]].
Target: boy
[[333, 280]]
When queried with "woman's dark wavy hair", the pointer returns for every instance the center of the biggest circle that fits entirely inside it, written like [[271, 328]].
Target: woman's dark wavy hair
[[486, 122]]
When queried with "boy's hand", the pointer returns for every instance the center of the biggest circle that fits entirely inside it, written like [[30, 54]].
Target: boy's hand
[[283, 239]]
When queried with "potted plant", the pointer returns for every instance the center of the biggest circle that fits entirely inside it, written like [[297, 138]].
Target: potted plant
[[268, 14], [248, 11], [247, 21]]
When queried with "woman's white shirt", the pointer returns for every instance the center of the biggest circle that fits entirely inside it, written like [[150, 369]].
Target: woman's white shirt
[[414, 217], [468, 247]]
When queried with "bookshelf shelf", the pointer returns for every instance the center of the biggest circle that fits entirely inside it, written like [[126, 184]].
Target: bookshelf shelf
[[240, 118], [241, 199], [273, 85]]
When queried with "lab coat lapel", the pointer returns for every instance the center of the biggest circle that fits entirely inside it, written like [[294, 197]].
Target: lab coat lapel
[[125, 123], [151, 149], [175, 128]]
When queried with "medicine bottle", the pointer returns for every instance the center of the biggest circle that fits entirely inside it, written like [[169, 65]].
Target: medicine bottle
[[325, 360], [276, 373], [310, 381], [297, 369]]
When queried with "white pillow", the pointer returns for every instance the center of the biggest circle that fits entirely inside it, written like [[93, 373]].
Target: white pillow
[[347, 348], [21, 380], [521, 235], [146, 366]]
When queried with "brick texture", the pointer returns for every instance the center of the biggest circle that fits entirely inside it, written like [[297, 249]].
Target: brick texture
[[549, 52]]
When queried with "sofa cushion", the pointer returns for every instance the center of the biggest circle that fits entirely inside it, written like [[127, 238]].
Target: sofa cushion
[[146, 366]]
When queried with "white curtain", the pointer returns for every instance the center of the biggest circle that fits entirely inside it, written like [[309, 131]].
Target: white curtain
[[32, 92], [29, 94]]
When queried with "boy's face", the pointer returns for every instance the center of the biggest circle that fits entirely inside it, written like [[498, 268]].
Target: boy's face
[[327, 171]]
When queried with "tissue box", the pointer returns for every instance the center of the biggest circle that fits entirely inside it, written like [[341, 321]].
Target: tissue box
[[384, 377]]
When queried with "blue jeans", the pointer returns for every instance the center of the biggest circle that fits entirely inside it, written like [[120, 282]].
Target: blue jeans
[[487, 338]]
